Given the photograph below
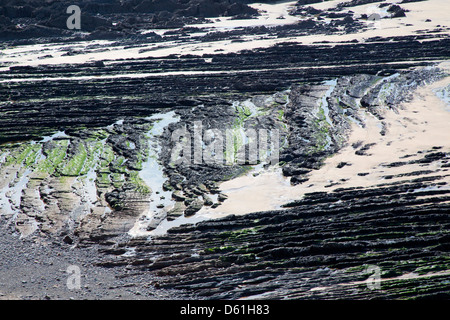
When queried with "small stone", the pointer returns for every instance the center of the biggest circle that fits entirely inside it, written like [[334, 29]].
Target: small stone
[[196, 191], [167, 186], [178, 196], [207, 200], [177, 211], [342, 164], [202, 188], [194, 207], [67, 240]]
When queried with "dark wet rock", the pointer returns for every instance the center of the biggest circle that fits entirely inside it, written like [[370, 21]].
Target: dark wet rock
[[67, 240], [295, 180], [193, 207], [116, 199], [343, 164], [353, 3], [305, 2], [363, 150], [177, 211], [396, 11], [430, 157], [362, 174], [290, 171], [343, 231], [207, 200], [222, 197], [176, 195]]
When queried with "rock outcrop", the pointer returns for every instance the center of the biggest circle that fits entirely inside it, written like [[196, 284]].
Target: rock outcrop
[[98, 156]]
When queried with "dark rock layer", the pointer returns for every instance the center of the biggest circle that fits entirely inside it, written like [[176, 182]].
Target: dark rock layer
[[326, 240]]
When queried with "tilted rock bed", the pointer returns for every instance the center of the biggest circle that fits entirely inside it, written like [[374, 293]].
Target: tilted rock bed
[[323, 240], [40, 106], [320, 247], [86, 182]]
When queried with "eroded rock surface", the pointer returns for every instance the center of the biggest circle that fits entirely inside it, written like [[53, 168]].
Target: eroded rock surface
[[92, 160]]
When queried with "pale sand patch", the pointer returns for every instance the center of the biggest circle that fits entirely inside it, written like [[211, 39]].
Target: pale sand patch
[[418, 126]]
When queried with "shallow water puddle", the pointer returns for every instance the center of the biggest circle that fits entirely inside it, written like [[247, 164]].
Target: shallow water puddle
[[10, 196], [153, 175], [444, 94]]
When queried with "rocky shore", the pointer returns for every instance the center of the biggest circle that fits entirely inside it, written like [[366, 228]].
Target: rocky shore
[[92, 175], [318, 248]]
